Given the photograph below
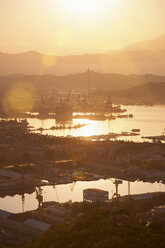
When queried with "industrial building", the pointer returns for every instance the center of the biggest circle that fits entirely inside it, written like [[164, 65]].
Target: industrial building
[[138, 197], [56, 213], [10, 180], [35, 228], [25, 226], [94, 195]]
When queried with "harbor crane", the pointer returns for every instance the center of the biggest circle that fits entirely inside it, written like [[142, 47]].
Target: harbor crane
[[117, 182], [23, 202], [54, 187], [39, 196], [72, 186]]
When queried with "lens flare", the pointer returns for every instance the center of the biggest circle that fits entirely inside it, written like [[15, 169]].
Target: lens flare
[[49, 60], [18, 100]]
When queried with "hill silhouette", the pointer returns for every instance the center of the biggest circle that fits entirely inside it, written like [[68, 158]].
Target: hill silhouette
[[149, 92], [98, 81], [155, 44], [140, 58]]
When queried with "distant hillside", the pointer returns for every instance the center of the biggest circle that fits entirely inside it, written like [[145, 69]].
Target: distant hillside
[[147, 89], [155, 44], [141, 58], [78, 81], [148, 92]]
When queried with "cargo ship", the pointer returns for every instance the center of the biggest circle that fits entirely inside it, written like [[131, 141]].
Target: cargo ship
[[64, 112]]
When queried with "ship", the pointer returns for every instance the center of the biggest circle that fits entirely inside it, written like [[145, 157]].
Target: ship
[[135, 130], [64, 111]]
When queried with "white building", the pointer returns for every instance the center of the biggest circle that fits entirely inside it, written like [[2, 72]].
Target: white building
[[94, 195]]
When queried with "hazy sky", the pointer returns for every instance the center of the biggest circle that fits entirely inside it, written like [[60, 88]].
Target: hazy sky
[[65, 27]]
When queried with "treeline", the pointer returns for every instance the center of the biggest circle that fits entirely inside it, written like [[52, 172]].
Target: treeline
[[147, 93], [103, 229]]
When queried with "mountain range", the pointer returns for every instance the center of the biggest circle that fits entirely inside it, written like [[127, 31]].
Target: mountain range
[[150, 92], [98, 81], [141, 58]]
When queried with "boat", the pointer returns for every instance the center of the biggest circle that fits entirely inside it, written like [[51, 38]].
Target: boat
[[64, 112], [135, 130]]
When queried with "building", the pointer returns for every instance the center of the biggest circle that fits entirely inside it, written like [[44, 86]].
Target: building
[[57, 213], [10, 221], [158, 214], [35, 228], [10, 180], [138, 197], [57, 210], [4, 214], [20, 223], [94, 195]]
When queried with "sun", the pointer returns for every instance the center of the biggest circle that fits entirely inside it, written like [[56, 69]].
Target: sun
[[86, 9]]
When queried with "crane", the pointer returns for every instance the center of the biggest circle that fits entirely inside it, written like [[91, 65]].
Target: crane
[[116, 183], [39, 196], [67, 99], [88, 77], [129, 188], [54, 186], [23, 202], [72, 186]]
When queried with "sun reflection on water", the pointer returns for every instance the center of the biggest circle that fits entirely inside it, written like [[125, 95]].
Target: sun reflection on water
[[150, 121]]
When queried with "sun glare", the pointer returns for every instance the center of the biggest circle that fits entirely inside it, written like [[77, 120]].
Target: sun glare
[[86, 9]]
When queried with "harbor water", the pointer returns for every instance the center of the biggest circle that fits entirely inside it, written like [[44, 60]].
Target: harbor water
[[74, 192]]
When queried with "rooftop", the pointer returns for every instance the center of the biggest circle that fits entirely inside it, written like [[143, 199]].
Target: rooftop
[[57, 209], [22, 217], [94, 190], [5, 214], [142, 196], [64, 161], [37, 224], [10, 174]]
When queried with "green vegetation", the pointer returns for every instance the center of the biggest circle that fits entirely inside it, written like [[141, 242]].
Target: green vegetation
[[128, 204], [103, 229], [149, 164]]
